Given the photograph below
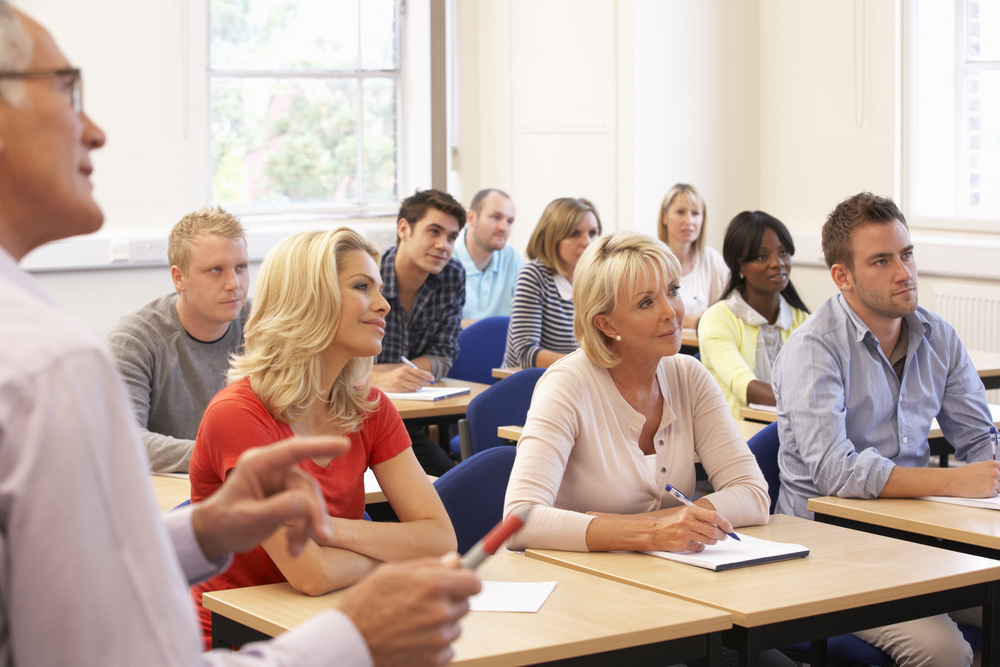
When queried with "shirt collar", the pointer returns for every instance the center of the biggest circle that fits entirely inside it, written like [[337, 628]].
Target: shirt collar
[[916, 323], [462, 253], [745, 311], [10, 271]]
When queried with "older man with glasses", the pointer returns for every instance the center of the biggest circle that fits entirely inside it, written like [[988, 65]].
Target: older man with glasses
[[92, 576]]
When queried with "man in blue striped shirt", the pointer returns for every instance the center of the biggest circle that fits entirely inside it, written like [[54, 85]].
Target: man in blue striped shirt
[[857, 386]]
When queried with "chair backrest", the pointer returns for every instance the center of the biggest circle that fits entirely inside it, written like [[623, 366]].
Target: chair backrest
[[473, 493], [764, 446], [504, 404], [480, 350]]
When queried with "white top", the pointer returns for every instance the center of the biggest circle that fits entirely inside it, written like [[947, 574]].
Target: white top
[[579, 452], [706, 282], [769, 337], [92, 574]]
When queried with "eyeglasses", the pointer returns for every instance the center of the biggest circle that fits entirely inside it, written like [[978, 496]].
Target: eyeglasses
[[74, 81]]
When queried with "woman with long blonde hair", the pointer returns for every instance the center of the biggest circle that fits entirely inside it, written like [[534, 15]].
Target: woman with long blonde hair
[[317, 323]]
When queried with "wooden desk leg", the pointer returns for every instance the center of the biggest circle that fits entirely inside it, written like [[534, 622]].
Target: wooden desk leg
[[991, 626], [817, 654]]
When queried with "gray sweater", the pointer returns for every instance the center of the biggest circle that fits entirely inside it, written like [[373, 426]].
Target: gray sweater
[[170, 377]]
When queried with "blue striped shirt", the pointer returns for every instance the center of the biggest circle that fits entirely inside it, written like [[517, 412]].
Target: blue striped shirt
[[540, 319], [845, 419]]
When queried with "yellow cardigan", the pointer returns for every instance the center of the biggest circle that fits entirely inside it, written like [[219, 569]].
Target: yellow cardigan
[[728, 348]]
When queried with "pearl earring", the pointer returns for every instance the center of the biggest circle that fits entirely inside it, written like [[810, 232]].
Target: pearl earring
[[618, 337], [741, 275]]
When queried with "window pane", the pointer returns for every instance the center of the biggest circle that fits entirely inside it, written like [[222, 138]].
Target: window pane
[[281, 141], [378, 34], [984, 162], [284, 34], [984, 30], [380, 140]]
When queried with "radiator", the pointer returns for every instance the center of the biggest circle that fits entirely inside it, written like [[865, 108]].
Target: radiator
[[975, 314]]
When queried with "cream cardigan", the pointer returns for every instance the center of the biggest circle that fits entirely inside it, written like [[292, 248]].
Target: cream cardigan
[[579, 452]]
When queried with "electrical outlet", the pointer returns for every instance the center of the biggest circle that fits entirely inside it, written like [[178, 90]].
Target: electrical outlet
[[149, 250], [119, 250]]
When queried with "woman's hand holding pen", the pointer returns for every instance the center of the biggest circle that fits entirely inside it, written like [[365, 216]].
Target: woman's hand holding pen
[[688, 529]]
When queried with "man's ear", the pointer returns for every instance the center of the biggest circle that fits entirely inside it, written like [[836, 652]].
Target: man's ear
[[177, 276], [842, 278], [603, 324], [402, 229], [470, 217]]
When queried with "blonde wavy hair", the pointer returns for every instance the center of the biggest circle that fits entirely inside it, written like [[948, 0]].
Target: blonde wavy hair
[[558, 221], [694, 198], [295, 316], [614, 267]]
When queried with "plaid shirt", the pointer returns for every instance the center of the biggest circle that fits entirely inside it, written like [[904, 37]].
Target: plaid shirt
[[433, 324]]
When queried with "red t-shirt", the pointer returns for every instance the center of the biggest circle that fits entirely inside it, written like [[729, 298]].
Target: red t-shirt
[[236, 421]]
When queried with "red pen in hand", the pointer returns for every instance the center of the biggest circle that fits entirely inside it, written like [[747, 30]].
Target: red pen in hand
[[495, 538]]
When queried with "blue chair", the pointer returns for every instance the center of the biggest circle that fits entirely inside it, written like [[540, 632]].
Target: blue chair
[[504, 404], [842, 648], [473, 493], [480, 350]]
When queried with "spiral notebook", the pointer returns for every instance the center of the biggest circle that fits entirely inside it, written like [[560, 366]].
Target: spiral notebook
[[730, 554]]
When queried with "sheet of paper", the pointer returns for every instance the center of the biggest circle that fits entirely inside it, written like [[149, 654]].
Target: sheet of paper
[[763, 408], [983, 503], [730, 553], [175, 475], [512, 596]]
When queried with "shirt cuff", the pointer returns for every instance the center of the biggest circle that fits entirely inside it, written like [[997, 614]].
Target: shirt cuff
[[193, 562], [439, 366]]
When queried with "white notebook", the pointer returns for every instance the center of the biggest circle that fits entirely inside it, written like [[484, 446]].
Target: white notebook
[[984, 503], [428, 394], [730, 554]]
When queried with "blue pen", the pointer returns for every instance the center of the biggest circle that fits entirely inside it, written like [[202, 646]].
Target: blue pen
[[679, 495], [408, 362], [993, 441]]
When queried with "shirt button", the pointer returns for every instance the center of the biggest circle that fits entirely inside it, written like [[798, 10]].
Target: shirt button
[[660, 443], [905, 439], [663, 470]]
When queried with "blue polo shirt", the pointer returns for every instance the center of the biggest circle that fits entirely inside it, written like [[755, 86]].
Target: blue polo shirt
[[490, 291]]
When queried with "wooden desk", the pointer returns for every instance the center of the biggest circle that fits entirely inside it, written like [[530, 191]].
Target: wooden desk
[[764, 416], [446, 407], [439, 413], [170, 491], [988, 366], [513, 433], [585, 615], [501, 373], [689, 337], [966, 529], [850, 581]]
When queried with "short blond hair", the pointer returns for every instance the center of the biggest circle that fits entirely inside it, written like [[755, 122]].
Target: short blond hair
[[694, 198], [558, 221], [612, 268], [203, 221], [295, 316]]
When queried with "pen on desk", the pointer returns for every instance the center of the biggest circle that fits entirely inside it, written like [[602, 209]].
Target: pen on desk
[[993, 441], [495, 538], [408, 363], [679, 495]]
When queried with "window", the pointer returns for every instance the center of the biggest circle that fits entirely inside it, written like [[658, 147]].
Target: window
[[954, 112], [303, 99]]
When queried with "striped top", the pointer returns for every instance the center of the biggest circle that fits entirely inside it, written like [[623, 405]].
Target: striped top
[[540, 318]]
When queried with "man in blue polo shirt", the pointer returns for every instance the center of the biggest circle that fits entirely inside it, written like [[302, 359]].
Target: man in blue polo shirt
[[491, 265]]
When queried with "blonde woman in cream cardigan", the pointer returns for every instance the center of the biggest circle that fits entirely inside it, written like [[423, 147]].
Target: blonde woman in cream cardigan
[[740, 336], [613, 423]]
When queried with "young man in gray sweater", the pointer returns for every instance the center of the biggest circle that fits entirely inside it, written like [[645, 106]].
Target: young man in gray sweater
[[174, 352]]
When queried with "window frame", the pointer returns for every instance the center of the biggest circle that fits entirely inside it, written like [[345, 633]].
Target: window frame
[[908, 87], [315, 210]]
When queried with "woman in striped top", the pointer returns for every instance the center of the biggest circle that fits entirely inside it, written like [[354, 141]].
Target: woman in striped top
[[541, 317]]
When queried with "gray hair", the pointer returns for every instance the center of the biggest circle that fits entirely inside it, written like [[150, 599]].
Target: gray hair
[[15, 54]]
